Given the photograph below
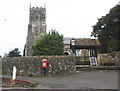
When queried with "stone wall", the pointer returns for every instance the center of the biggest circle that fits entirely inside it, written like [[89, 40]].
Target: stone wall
[[105, 59], [57, 65], [117, 58]]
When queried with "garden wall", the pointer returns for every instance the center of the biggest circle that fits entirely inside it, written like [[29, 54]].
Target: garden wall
[[32, 66]]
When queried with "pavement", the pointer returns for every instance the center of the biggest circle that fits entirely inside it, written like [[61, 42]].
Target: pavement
[[80, 80]]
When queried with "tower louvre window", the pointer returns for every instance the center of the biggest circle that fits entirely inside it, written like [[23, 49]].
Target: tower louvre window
[[37, 17]]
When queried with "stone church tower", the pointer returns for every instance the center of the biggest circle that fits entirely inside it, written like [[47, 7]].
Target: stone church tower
[[36, 28]]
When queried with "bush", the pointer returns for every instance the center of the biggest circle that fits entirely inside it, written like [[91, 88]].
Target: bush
[[30, 74]]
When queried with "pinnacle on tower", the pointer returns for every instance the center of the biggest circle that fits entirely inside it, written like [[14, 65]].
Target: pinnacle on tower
[[45, 5], [30, 6]]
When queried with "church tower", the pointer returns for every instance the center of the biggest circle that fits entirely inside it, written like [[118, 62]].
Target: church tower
[[36, 28]]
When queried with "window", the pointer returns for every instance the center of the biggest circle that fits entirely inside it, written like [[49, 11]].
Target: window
[[77, 52], [37, 17]]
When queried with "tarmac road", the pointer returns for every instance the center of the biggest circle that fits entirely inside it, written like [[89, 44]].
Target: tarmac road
[[81, 80]]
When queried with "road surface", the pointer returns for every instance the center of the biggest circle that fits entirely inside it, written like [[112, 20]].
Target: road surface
[[81, 80]]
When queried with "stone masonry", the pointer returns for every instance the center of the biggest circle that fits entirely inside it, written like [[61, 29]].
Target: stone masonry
[[36, 27], [56, 65]]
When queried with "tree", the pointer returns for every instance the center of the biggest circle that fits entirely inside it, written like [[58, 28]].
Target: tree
[[14, 53], [50, 44], [107, 29]]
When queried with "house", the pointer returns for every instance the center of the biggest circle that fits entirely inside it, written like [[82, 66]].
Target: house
[[81, 47]]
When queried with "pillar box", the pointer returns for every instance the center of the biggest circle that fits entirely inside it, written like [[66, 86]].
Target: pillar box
[[44, 63]]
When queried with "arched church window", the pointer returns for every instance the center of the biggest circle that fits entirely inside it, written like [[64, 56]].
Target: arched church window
[[36, 32], [37, 17]]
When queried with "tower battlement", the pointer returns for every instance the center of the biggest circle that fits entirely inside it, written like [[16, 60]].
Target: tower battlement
[[39, 8]]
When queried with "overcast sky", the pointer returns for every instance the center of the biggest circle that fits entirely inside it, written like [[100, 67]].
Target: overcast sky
[[72, 18]]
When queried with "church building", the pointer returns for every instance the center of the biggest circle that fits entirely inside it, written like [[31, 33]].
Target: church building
[[36, 28]]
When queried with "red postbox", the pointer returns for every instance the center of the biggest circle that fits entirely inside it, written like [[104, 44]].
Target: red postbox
[[44, 63]]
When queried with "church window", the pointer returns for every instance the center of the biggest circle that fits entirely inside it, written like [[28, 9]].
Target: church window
[[36, 33], [37, 17]]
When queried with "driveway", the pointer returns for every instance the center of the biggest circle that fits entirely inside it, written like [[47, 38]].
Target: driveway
[[81, 80]]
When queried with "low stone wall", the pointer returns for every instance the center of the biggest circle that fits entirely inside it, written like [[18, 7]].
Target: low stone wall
[[117, 58], [108, 59], [31, 66]]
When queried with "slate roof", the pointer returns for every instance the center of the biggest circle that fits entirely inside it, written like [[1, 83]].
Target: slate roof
[[67, 41], [87, 42]]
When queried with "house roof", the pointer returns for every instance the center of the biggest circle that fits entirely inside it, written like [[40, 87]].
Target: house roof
[[87, 42]]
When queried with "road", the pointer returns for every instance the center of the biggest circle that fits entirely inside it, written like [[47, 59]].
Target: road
[[81, 80]]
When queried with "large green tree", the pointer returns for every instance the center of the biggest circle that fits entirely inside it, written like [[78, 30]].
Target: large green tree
[[50, 44], [107, 29]]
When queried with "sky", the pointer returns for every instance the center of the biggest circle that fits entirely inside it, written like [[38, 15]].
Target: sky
[[72, 18]]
